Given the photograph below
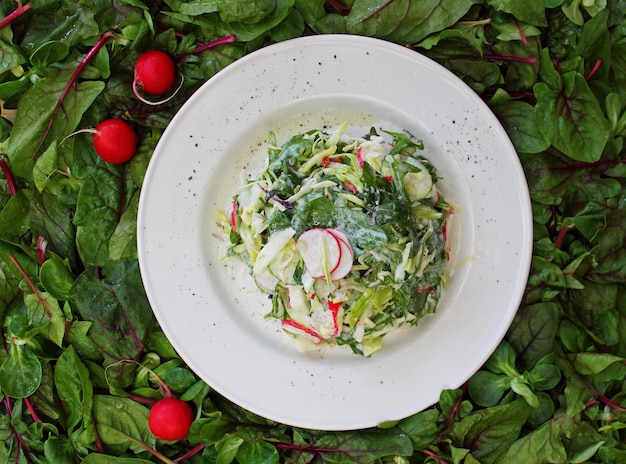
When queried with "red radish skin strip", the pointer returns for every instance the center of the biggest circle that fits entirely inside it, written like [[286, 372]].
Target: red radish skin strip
[[359, 156], [233, 216], [301, 328], [350, 186], [334, 308]]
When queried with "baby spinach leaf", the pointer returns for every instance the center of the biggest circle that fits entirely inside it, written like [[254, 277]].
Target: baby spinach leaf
[[255, 449], [527, 12], [49, 53], [14, 218], [594, 45], [66, 23], [56, 277], [487, 388], [74, 388], [21, 372], [421, 428], [123, 242], [251, 31], [318, 212], [544, 410], [10, 56], [118, 419], [97, 215], [593, 363]]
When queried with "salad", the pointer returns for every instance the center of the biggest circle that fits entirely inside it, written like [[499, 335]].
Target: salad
[[347, 235]]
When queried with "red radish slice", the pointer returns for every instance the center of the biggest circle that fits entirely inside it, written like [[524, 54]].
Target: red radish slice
[[346, 260], [320, 250], [296, 328], [340, 234]]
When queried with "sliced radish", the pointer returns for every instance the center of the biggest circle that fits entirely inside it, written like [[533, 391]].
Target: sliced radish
[[344, 266], [266, 281], [320, 251], [298, 329]]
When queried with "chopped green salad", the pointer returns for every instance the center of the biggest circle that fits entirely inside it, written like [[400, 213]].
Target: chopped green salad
[[347, 235]]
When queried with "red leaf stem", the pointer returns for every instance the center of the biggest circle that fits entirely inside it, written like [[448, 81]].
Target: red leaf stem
[[519, 59], [19, 11], [436, 457], [593, 70], [558, 243], [521, 34], [8, 176], [602, 398], [30, 283], [97, 440], [337, 5], [190, 453], [457, 406], [574, 167], [527, 94], [21, 444], [142, 400], [31, 410], [214, 43], [79, 69]]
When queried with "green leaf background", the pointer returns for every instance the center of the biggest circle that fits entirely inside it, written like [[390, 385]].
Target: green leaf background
[[82, 351]]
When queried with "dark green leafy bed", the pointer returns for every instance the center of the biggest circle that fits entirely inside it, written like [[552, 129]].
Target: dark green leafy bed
[[81, 351]]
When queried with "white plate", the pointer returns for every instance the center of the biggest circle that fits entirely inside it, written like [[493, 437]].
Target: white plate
[[211, 312]]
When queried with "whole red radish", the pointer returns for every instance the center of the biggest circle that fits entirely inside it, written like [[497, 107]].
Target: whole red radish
[[170, 419], [155, 72], [115, 141]]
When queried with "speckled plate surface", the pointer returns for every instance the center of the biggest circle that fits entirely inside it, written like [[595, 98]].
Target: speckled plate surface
[[211, 311]]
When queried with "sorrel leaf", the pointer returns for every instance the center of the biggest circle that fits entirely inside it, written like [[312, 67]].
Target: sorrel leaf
[[571, 118], [404, 21]]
